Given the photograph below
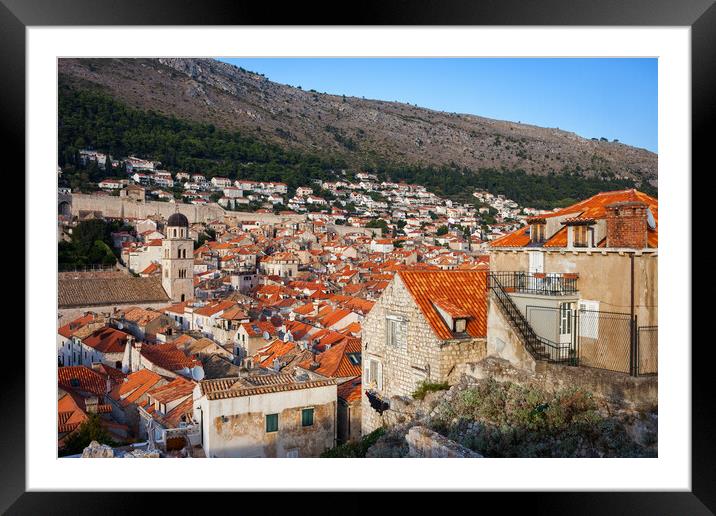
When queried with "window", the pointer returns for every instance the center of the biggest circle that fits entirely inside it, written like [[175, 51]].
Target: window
[[395, 332], [307, 417], [581, 236], [354, 358], [537, 233], [374, 373], [271, 423]]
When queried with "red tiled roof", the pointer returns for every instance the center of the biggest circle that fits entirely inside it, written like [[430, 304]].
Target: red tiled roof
[[466, 289], [592, 208], [81, 378], [351, 390], [107, 340], [135, 386], [167, 356], [174, 390], [70, 328], [335, 363]]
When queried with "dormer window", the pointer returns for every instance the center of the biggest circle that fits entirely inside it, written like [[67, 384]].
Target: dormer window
[[454, 317], [537, 230], [580, 232], [581, 236]]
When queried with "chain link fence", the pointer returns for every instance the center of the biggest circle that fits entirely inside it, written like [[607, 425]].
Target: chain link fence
[[598, 339]]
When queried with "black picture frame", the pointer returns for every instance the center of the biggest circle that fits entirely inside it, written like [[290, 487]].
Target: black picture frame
[[700, 15]]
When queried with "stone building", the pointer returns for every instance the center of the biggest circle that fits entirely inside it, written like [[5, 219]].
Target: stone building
[[424, 325], [284, 265], [273, 415], [178, 259]]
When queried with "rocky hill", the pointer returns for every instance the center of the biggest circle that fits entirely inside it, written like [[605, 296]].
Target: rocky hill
[[359, 130]]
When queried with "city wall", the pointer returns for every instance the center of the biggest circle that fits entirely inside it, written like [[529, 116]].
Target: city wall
[[123, 207]]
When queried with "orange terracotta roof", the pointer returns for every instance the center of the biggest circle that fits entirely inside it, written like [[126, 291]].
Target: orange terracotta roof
[[135, 386], [107, 340], [167, 356], [451, 309], [351, 390], [593, 208], [467, 291], [140, 316], [335, 362], [174, 390], [213, 308], [70, 328], [274, 350], [70, 413], [81, 378]]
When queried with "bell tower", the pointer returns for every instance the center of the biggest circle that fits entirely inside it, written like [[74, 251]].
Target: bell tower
[[178, 259]]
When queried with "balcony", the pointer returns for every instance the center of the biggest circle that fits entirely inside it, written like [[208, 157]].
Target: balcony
[[536, 283]]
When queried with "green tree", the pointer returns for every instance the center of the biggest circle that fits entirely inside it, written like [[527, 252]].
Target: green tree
[[90, 430], [442, 230]]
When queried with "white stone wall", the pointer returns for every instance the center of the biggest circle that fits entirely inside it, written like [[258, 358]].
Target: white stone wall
[[235, 427]]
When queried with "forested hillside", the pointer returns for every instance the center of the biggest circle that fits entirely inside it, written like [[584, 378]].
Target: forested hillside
[[90, 118]]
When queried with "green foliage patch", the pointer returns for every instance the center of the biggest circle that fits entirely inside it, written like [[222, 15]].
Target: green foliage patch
[[355, 449]]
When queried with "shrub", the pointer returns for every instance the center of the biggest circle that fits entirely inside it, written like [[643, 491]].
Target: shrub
[[357, 449], [426, 387], [511, 420]]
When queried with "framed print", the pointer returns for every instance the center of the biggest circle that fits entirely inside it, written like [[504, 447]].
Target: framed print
[[424, 245]]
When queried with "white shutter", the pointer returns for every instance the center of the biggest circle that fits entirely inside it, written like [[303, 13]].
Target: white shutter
[[536, 261], [379, 376], [588, 319]]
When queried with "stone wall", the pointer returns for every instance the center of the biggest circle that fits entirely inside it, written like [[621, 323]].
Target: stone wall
[[424, 442], [617, 390]]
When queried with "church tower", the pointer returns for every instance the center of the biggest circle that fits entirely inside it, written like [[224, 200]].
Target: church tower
[[178, 259]]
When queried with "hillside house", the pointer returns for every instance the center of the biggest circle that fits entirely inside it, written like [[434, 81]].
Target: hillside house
[[270, 415], [584, 279], [424, 325]]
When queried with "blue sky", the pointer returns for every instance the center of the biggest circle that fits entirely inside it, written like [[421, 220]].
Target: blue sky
[[611, 98]]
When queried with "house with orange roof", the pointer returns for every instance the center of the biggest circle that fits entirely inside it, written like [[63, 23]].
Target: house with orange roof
[[254, 335], [165, 359], [577, 279], [423, 326], [166, 417], [106, 346], [82, 391], [342, 361], [266, 415], [144, 323], [127, 395], [284, 265], [69, 337]]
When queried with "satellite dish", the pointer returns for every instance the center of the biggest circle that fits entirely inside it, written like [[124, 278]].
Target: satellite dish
[[650, 219], [197, 373]]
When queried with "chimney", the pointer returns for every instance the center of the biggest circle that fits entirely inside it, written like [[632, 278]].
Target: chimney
[[626, 224]]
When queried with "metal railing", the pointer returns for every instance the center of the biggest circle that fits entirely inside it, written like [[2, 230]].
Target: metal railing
[[540, 348], [547, 283]]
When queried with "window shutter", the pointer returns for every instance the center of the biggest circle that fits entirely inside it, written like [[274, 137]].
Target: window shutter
[[588, 319], [379, 379]]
